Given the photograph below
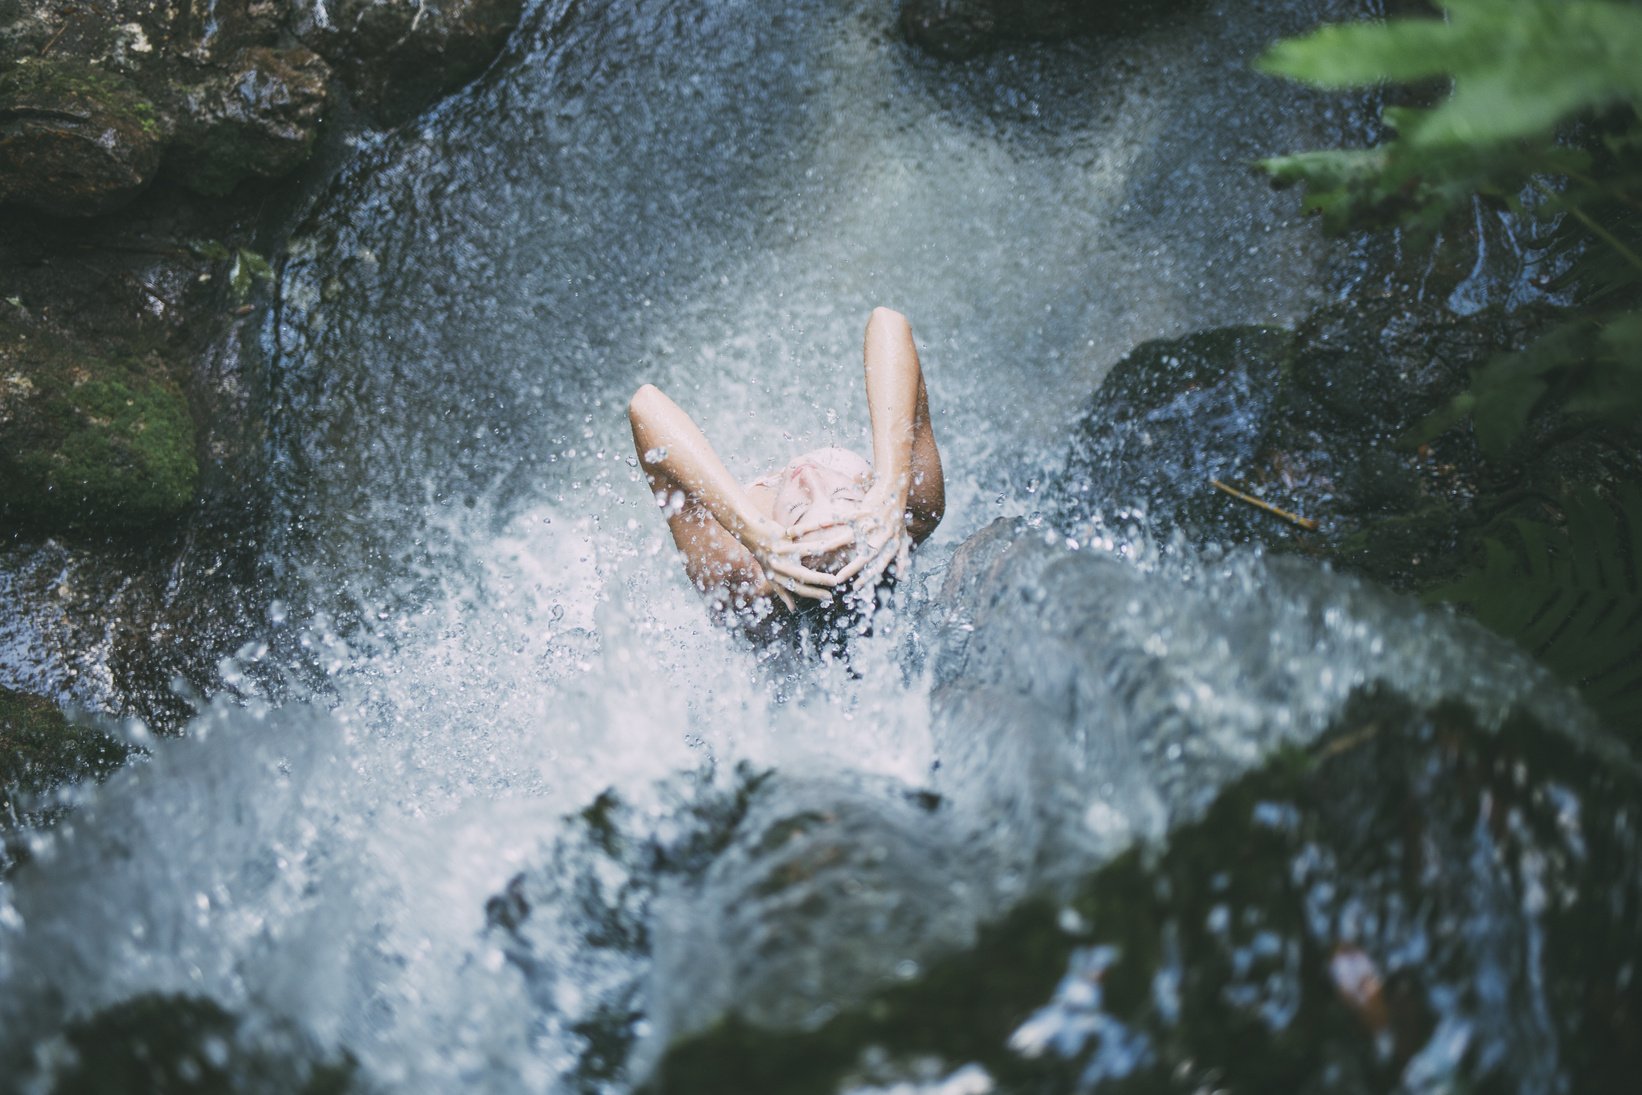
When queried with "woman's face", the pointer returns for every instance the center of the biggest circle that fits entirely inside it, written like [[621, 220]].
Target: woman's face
[[823, 485]]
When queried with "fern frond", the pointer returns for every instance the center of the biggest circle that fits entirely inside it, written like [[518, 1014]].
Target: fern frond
[[1572, 596]]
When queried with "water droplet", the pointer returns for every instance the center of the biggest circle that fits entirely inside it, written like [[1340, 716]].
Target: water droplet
[[656, 455]]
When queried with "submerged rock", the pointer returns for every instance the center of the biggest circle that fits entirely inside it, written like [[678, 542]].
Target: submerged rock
[[75, 139], [90, 441]]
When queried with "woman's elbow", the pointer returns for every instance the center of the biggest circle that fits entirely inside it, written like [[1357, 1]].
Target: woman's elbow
[[642, 400]]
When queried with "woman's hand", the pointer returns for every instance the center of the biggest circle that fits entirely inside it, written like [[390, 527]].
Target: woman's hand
[[778, 552], [877, 529]]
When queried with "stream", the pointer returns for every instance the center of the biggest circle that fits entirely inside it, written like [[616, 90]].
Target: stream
[[490, 803]]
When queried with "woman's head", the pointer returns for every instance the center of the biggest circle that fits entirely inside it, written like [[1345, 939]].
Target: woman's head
[[820, 485]]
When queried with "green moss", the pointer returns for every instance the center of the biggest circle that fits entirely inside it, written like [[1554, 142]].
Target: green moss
[[40, 749], [54, 79], [87, 441]]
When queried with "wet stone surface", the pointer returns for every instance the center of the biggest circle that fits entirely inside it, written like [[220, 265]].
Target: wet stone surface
[[1315, 421], [39, 751], [189, 1045], [958, 29], [1413, 900]]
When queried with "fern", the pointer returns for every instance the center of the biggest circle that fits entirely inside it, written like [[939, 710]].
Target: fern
[[1524, 73], [1572, 596]]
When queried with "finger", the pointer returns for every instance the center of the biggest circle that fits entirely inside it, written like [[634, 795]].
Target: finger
[[803, 590], [788, 569], [875, 570], [830, 542], [813, 524], [865, 568], [853, 567]]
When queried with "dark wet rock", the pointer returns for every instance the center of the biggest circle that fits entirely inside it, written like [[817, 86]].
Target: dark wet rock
[[1315, 422], [189, 1045], [1413, 902], [829, 889], [88, 441], [779, 902], [258, 116], [1173, 415], [75, 139], [956, 29], [101, 94], [398, 57], [40, 750]]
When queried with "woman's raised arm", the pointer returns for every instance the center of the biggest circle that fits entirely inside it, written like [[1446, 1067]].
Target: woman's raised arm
[[726, 542]]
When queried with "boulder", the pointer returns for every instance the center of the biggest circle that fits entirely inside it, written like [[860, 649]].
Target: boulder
[[257, 116], [75, 139], [1314, 421], [1414, 901], [39, 750], [399, 56]]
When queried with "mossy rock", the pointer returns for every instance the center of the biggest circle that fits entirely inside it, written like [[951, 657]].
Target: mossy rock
[[75, 139], [89, 441], [40, 749]]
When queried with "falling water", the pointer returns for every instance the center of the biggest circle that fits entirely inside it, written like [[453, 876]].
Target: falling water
[[476, 630]]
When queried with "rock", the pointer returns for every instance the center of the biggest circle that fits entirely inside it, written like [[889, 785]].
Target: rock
[[87, 441], [397, 57], [956, 29], [1303, 934], [189, 1045], [39, 750], [828, 890], [257, 117], [75, 139], [1173, 415], [951, 29], [1311, 421]]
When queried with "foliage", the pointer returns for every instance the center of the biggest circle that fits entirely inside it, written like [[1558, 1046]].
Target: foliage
[[1541, 117], [1572, 595], [249, 267]]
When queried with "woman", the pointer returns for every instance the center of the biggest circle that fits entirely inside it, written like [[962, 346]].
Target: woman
[[826, 522]]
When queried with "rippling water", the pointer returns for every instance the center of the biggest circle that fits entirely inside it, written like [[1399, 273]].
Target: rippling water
[[477, 626]]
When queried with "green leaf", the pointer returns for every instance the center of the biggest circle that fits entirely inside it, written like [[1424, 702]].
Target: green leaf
[[208, 249], [249, 268], [1572, 596], [1519, 66]]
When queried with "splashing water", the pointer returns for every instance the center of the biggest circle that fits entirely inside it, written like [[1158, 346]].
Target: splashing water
[[479, 621]]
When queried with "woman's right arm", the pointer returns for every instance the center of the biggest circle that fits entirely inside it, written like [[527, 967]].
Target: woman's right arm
[[726, 542]]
